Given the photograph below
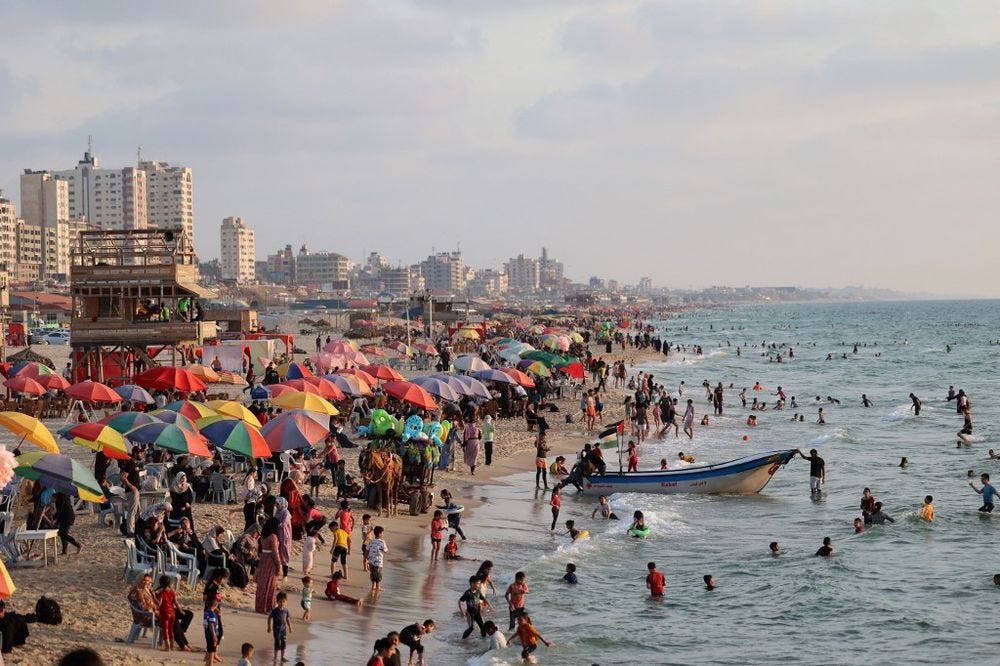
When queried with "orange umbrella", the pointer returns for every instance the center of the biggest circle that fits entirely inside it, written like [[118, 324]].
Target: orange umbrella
[[54, 382], [327, 389], [26, 385], [519, 377], [358, 372], [409, 392], [93, 392], [300, 385], [382, 372], [206, 374]]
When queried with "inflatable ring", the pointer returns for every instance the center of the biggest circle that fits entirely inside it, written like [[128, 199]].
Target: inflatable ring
[[639, 533], [582, 534]]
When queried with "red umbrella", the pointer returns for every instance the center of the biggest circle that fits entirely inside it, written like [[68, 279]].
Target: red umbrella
[[169, 378], [519, 377], [93, 392], [19, 384], [54, 382], [299, 385], [382, 372], [411, 393]]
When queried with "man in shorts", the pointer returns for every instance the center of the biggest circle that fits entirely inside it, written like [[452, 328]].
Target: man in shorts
[[410, 637]]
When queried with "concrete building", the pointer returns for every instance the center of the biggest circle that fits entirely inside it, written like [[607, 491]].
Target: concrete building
[[169, 195], [396, 281], [107, 198], [523, 274], [44, 198], [444, 272], [21, 245], [550, 277], [325, 270], [281, 266], [238, 252], [489, 283]]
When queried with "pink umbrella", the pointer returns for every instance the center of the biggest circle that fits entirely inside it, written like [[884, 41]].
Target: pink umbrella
[[93, 392]]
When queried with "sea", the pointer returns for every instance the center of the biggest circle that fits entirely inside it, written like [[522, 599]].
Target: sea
[[906, 592]]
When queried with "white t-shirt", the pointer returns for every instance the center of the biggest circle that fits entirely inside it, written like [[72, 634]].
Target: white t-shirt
[[498, 641], [376, 552]]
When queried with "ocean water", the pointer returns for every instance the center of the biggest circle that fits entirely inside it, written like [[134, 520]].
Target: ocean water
[[904, 592]]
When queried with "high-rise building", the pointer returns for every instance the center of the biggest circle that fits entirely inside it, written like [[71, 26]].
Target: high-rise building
[[550, 276], [238, 256], [444, 272], [21, 245], [169, 193], [44, 198], [107, 198], [523, 274]]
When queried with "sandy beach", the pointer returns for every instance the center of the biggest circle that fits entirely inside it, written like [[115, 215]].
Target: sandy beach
[[90, 589]]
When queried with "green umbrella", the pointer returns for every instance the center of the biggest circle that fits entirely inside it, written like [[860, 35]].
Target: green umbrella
[[59, 472], [234, 435]]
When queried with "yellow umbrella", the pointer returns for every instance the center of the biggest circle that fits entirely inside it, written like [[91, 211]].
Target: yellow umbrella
[[236, 410], [29, 428], [576, 337], [202, 372], [7, 588], [467, 334], [308, 401]]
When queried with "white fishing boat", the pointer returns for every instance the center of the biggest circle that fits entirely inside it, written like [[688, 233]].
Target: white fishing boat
[[744, 476]]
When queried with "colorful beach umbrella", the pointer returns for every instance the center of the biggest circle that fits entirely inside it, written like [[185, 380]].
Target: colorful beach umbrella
[[170, 437], [473, 387], [519, 377], [178, 419], [90, 391], [358, 372], [294, 370], [125, 421], [98, 437], [31, 369], [297, 386], [435, 386], [307, 401], [296, 429], [327, 389], [60, 473], [192, 409], [426, 348], [260, 393], [493, 375], [357, 358], [29, 429], [340, 346], [169, 378], [235, 410], [350, 385], [537, 368], [409, 392], [466, 334], [235, 435], [231, 378], [133, 393], [25, 385], [470, 363]]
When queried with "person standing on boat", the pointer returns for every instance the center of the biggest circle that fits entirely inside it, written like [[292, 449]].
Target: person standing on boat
[[817, 471]]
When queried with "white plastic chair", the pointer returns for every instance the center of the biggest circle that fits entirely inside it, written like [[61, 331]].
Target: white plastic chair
[[163, 569], [222, 492], [138, 628], [183, 563], [135, 564]]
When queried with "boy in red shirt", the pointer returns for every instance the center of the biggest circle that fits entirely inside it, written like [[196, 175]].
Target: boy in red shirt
[[655, 581]]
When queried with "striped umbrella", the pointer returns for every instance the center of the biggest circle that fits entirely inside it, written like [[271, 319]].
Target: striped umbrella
[[232, 378], [98, 437], [296, 429], [308, 401], [205, 374], [90, 391], [125, 421], [190, 408], [32, 369], [235, 410], [30, 429], [350, 385], [295, 371], [235, 435], [169, 436], [178, 419], [60, 473], [133, 393], [25, 385]]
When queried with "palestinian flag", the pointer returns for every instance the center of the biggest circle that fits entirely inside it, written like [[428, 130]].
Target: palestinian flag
[[608, 437]]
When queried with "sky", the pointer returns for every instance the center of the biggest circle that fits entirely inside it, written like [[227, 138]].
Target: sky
[[699, 143]]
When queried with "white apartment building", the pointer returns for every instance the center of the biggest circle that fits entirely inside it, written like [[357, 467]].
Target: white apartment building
[[444, 272], [238, 252], [107, 198], [169, 193], [44, 198], [523, 274]]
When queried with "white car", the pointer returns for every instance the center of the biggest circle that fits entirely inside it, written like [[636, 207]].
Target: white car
[[56, 338]]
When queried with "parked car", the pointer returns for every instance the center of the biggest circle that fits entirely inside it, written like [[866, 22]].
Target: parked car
[[57, 338], [36, 336]]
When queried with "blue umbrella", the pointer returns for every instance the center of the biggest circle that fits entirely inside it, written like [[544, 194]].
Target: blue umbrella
[[133, 393], [438, 387], [260, 393]]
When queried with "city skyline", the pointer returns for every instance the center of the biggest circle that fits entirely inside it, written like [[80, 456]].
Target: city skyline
[[695, 143]]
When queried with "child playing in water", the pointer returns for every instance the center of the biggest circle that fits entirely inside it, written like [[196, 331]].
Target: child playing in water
[[528, 637], [333, 591], [859, 526], [280, 620], [307, 598], [497, 640], [570, 575], [437, 531], [366, 537], [927, 511], [451, 548], [574, 533]]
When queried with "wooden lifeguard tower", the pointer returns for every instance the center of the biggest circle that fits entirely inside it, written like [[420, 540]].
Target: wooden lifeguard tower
[[133, 290]]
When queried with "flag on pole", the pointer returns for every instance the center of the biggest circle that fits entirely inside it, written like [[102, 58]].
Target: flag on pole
[[609, 436]]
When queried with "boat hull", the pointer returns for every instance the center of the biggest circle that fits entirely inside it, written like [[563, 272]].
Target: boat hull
[[745, 476]]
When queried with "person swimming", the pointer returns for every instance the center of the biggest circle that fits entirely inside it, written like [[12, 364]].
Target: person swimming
[[605, 508]]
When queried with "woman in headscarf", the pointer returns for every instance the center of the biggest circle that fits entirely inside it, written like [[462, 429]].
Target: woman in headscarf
[[181, 499], [284, 533], [473, 436], [268, 567], [143, 604], [290, 492]]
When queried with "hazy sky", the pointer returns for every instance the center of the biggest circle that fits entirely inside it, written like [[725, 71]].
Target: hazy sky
[[791, 143]]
